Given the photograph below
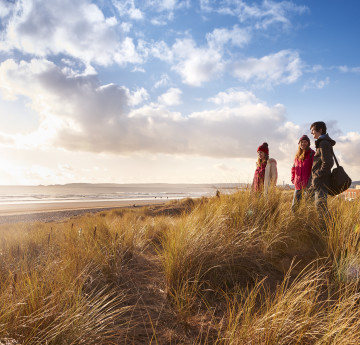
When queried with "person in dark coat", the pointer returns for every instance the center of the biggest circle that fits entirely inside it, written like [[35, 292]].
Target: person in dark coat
[[321, 168]]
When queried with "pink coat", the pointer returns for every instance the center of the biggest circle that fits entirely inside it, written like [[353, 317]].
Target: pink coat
[[301, 170]]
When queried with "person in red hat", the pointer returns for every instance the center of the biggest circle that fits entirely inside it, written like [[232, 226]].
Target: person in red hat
[[301, 169], [266, 170]]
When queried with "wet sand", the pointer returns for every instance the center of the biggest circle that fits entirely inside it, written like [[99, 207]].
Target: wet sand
[[53, 212]]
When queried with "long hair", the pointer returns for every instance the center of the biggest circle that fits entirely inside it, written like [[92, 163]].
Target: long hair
[[300, 153], [259, 162]]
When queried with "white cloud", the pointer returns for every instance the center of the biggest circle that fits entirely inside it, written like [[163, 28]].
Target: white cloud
[[282, 67], [79, 114], [127, 53], [161, 51], [158, 21], [137, 97], [164, 81], [65, 167], [77, 29], [128, 8], [317, 68], [171, 97], [219, 37], [346, 145], [138, 69], [291, 133], [272, 12], [233, 96], [167, 5], [260, 15], [196, 65], [346, 69], [163, 5], [7, 140], [163, 10], [5, 8], [224, 167], [316, 84]]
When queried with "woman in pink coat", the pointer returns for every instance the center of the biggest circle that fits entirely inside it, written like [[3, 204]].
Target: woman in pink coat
[[301, 170]]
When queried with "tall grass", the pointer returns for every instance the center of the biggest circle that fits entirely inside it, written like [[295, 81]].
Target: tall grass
[[226, 246], [299, 312], [237, 239], [235, 269], [61, 283]]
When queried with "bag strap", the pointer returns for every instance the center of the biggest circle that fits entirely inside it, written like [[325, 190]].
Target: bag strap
[[336, 161]]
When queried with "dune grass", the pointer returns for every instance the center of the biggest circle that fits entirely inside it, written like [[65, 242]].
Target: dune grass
[[234, 269]]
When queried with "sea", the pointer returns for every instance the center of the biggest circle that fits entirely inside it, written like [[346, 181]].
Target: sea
[[87, 192]]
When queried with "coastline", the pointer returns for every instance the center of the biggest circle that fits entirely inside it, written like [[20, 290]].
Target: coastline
[[57, 211]]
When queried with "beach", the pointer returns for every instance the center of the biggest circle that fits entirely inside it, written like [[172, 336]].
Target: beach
[[57, 211], [59, 202]]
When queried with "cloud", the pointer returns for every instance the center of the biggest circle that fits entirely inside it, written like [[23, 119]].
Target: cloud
[[233, 96], [282, 67], [346, 69], [5, 8], [163, 5], [77, 29], [196, 65], [164, 81], [128, 8], [316, 68], [261, 15], [162, 11], [167, 5], [77, 113], [346, 145], [6, 139], [346, 153], [316, 84], [161, 51], [137, 97], [219, 37], [81, 31], [138, 69], [224, 167], [171, 97]]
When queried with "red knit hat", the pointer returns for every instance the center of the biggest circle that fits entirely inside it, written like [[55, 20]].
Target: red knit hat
[[264, 148], [304, 137]]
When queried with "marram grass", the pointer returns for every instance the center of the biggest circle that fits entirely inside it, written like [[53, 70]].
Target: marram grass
[[234, 269]]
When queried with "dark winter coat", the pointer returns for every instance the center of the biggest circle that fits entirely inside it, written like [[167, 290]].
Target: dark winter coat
[[323, 163]]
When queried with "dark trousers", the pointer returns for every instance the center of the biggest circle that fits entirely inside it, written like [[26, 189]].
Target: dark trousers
[[320, 196]]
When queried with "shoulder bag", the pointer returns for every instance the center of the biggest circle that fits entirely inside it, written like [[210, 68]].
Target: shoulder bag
[[340, 180]]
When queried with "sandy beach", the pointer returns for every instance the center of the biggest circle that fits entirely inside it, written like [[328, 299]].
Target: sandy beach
[[57, 211]]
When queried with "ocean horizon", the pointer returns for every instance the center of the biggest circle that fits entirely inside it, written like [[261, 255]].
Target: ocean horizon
[[88, 192]]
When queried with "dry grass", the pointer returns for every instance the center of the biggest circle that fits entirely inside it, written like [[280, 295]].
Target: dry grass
[[236, 269]]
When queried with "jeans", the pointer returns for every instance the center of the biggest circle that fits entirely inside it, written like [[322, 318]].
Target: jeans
[[298, 194]]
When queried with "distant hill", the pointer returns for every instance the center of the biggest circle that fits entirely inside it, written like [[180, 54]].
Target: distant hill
[[153, 185]]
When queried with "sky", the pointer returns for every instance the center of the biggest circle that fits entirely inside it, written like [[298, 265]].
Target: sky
[[173, 91]]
